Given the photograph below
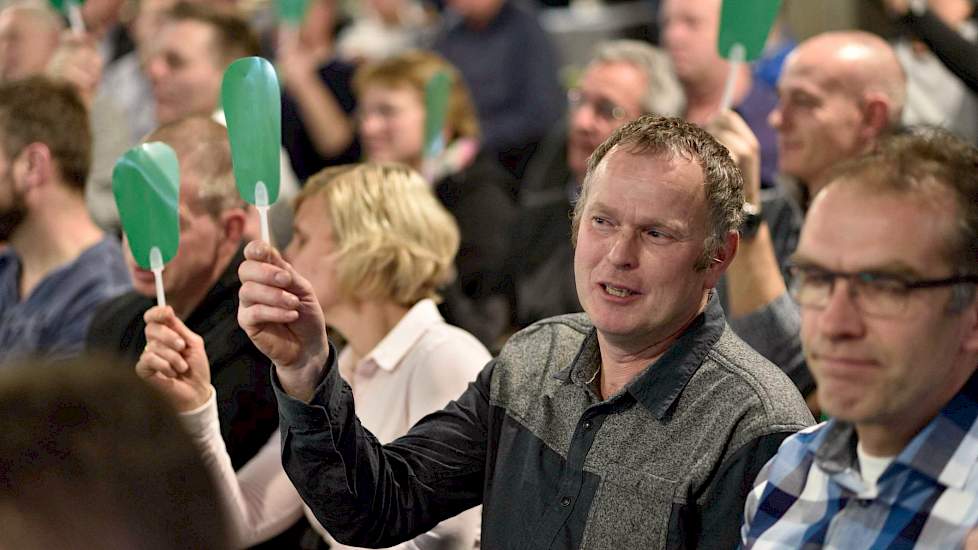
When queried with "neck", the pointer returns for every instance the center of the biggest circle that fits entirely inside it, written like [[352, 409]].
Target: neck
[[52, 236], [365, 324], [621, 362], [703, 98]]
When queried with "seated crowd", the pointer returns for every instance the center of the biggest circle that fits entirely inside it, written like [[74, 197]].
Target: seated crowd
[[599, 311]]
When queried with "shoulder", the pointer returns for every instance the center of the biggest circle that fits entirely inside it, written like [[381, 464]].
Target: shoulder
[[753, 391], [447, 348], [543, 348]]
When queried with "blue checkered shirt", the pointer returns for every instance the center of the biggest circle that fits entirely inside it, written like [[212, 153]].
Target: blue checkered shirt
[[811, 494]]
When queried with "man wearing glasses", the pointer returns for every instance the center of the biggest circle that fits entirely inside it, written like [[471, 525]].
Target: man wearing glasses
[[885, 273]]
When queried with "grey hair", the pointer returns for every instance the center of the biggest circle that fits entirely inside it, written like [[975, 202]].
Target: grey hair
[[664, 95]]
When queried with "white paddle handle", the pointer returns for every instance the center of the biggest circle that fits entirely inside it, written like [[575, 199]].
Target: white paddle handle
[[75, 19], [737, 55], [261, 203], [156, 266]]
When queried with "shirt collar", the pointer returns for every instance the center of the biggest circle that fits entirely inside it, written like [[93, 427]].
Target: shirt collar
[[396, 344], [657, 389], [945, 450]]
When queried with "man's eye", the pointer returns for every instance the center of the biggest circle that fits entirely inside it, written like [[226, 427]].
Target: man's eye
[[883, 285]]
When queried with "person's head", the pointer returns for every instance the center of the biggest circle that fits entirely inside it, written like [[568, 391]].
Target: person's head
[[655, 227], [689, 36], [391, 103], [624, 80], [372, 232], [883, 352], [45, 140], [476, 12], [211, 212], [840, 92], [29, 36], [196, 44], [92, 457]]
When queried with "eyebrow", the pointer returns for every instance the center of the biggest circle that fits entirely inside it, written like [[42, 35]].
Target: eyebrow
[[672, 225]]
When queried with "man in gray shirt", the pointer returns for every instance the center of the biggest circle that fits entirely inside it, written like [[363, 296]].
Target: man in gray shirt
[[637, 424]]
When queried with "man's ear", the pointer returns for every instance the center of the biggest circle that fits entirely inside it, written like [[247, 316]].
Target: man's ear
[[876, 116], [233, 222], [721, 260], [33, 167], [971, 314]]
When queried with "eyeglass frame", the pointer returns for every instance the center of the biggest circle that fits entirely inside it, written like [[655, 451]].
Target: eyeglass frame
[[576, 99], [859, 281]]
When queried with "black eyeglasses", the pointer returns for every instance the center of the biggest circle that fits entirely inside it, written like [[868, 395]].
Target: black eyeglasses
[[603, 109], [875, 294]]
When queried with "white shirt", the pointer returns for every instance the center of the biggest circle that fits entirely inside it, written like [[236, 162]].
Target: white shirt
[[419, 366]]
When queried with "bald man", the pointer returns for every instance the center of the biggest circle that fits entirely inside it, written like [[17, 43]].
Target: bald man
[[840, 92]]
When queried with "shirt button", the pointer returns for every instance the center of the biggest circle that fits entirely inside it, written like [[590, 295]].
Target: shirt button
[[864, 502], [587, 424], [565, 502]]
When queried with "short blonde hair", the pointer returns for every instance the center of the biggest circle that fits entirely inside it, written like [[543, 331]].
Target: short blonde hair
[[393, 237], [414, 69]]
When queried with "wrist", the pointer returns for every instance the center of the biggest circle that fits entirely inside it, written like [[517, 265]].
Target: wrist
[[752, 220]]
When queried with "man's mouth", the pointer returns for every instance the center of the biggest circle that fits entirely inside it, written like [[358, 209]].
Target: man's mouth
[[618, 291]]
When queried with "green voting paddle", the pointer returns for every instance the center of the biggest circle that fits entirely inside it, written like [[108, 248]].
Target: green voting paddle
[[437, 92], [252, 105], [744, 26], [292, 12], [72, 10], [146, 185]]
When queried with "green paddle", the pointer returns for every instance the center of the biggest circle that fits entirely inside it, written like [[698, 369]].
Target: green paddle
[[146, 185], [744, 26], [252, 105], [72, 10], [437, 92], [292, 12]]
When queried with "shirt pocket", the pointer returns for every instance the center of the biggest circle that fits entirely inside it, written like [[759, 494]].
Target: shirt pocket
[[631, 510]]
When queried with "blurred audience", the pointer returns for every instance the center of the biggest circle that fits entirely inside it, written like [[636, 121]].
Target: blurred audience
[[510, 66], [59, 266], [935, 96], [382, 29], [318, 102], [465, 177], [689, 34], [959, 54], [33, 42], [197, 42], [92, 457]]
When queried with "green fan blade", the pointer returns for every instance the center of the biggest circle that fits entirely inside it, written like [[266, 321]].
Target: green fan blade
[[62, 5], [292, 11], [252, 104], [146, 185], [746, 22], [437, 92]]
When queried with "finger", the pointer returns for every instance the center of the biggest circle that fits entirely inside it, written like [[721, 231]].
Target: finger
[[162, 336], [259, 314], [253, 293], [151, 363], [173, 357], [264, 273]]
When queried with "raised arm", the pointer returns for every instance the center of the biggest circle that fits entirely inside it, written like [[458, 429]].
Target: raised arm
[[259, 500]]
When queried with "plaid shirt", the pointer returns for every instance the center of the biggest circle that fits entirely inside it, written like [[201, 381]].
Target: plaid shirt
[[811, 493]]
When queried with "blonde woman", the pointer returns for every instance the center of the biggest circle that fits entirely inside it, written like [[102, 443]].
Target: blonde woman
[[376, 245]]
